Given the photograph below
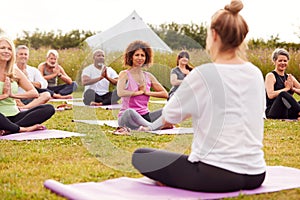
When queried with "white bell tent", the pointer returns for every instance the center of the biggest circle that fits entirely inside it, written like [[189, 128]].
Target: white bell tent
[[130, 29]]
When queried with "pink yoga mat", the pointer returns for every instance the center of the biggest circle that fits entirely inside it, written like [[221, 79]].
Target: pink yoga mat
[[40, 135], [124, 188]]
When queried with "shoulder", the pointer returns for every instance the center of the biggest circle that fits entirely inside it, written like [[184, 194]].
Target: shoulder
[[41, 65], [89, 67], [123, 74], [270, 75], [150, 76], [30, 68], [111, 70]]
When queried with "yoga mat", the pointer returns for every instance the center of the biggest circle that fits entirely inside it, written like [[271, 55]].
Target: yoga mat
[[114, 123], [66, 100], [158, 101], [172, 131], [278, 178], [106, 107], [40, 135]]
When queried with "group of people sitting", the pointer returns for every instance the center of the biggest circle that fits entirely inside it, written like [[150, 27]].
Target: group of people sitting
[[226, 100], [26, 89], [135, 86]]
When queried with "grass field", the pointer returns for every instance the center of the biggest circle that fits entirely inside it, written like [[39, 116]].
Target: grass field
[[100, 155]]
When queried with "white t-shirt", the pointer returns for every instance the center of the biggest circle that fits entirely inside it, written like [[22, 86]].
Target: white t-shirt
[[34, 75], [226, 103], [101, 87]]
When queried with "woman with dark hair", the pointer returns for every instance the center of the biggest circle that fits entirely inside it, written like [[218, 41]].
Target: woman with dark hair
[[226, 101], [280, 88], [179, 72], [134, 86]]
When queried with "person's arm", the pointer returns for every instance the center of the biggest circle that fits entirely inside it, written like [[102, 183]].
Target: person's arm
[[30, 91], [270, 80], [38, 80], [41, 68], [87, 80], [184, 103], [64, 76], [121, 84], [296, 85], [111, 76], [174, 80], [159, 90]]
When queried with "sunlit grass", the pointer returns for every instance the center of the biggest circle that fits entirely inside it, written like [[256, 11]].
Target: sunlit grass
[[100, 155]]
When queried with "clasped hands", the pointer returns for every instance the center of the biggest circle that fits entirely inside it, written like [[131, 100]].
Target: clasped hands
[[104, 73], [7, 88], [289, 82], [142, 89]]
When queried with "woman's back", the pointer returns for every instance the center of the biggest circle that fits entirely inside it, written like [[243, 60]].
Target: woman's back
[[226, 103]]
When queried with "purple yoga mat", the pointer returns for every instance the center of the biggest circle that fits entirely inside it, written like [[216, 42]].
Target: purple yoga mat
[[106, 107], [124, 188], [40, 135]]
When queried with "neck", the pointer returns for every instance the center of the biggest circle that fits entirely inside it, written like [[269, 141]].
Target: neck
[[279, 72], [229, 57], [135, 69], [182, 66], [21, 66]]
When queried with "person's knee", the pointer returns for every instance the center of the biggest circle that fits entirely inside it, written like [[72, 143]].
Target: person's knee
[[48, 109], [74, 85], [45, 96], [89, 96]]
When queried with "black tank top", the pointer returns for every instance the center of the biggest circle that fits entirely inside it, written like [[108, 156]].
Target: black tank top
[[279, 84]]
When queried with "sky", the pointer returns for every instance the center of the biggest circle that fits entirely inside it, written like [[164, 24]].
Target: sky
[[265, 18]]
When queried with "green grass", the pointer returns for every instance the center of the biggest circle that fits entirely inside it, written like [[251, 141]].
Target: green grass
[[100, 155]]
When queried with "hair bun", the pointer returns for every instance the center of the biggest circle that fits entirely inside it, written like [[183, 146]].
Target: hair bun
[[234, 7]]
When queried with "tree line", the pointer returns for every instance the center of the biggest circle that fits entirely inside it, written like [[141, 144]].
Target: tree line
[[176, 36]]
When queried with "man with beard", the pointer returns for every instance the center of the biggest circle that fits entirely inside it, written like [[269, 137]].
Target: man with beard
[[96, 78], [52, 71]]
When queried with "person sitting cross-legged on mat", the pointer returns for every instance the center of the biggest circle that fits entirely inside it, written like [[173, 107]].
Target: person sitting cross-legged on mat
[[96, 78], [52, 72], [280, 88], [226, 101], [11, 119], [34, 76], [179, 72], [134, 88]]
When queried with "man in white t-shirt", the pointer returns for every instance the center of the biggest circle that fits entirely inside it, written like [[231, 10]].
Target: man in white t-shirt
[[36, 78], [96, 78]]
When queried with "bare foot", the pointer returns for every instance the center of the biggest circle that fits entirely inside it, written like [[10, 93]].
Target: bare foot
[[32, 128], [4, 132], [23, 108], [122, 131], [144, 128], [159, 183], [96, 103], [59, 96]]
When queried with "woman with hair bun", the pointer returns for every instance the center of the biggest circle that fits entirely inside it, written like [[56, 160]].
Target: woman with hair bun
[[226, 101]]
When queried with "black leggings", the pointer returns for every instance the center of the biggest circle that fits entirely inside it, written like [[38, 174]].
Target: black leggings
[[35, 115], [284, 107], [64, 89], [106, 99], [175, 170]]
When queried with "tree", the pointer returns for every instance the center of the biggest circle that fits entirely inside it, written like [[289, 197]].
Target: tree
[[182, 36], [55, 40]]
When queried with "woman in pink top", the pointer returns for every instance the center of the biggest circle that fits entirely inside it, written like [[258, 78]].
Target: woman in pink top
[[134, 86]]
